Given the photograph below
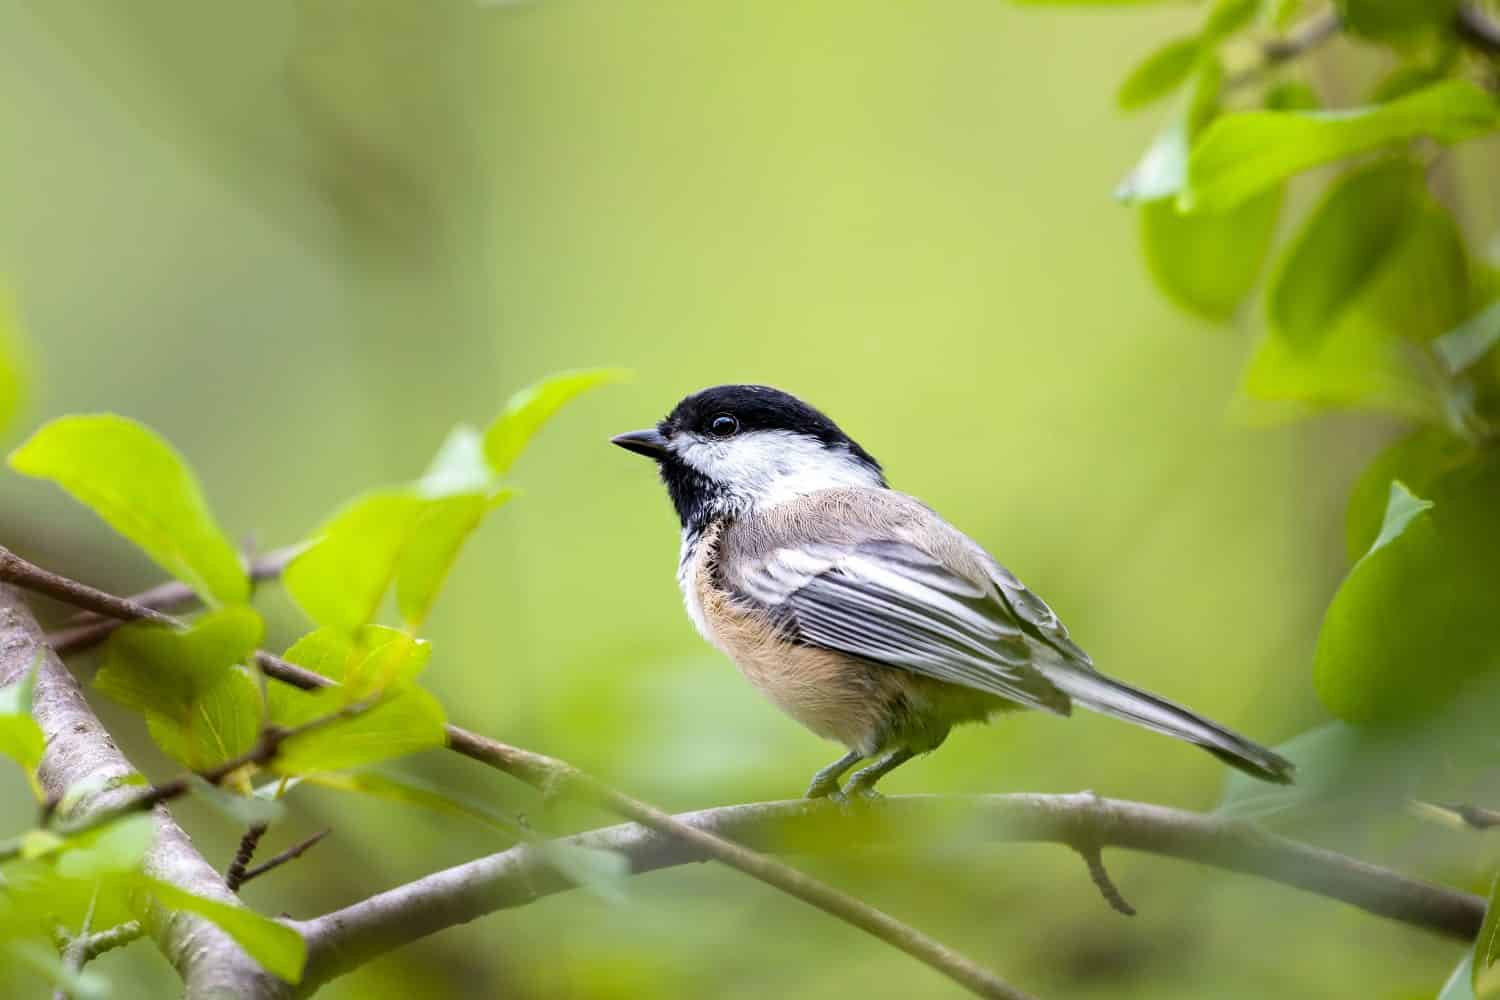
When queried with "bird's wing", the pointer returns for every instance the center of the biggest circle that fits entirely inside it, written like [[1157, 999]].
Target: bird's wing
[[887, 600]]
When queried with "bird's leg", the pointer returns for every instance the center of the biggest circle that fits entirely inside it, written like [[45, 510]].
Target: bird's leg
[[862, 784], [826, 781]]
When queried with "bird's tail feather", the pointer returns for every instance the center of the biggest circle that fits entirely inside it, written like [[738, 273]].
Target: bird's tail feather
[[1111, 697]]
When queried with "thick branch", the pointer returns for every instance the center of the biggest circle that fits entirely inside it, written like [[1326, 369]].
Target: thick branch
[[78, 747], [345, 939]]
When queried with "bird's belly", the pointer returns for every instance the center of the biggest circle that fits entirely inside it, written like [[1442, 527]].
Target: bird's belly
[[865, 706]]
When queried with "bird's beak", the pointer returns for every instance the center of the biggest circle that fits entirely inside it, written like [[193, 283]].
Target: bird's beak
[[650, 443]]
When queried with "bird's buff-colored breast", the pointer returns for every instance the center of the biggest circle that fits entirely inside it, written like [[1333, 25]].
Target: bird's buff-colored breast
[[861, 705], [835, 697]]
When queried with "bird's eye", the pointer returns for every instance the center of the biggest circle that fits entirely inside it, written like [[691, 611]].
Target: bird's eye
[[723, 426]]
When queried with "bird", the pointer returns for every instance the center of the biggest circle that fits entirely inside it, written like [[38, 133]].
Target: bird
[[857, 609]]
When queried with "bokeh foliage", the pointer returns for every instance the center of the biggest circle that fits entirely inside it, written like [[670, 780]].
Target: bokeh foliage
[[361, 222]]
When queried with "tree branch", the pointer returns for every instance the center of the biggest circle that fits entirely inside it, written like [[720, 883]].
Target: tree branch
[[340, 941], [94, 628], [234, 875], [1273, 53], [290, 854], [78, 747], [1475, 27], [554, 776]]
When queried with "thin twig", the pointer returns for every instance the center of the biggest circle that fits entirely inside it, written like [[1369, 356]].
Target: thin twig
[[14, 569], [290, 854], [116, 937], [94, 628], [1093, 857], [234, 875], [76, 951], [1277, 51], [264, 751], [554, 776]]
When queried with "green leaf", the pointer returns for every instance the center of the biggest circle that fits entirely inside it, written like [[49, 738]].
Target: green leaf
[[275, 946], [372, 658], [86, 788], [1485, 979], [1284, 12], [1323, 757], [111, 849], [1159, 74], [158, 668], [1418, 617], [143, 489], [529, 409], [1341, 248], [1416, 460], [46, 962], [1400, 510], [21, 739], [223, 723], [1208, 262], [381, 658], [1162, 169], [242, 810], [405, 720], [1407, 79], [1471, 340], [1292, 95], [459, 467], [340, 579], [408, 792], [1227, 17], [1460, 985], [1395, 20], [433, 546], [1366, 349], [1243, 154], [325, 651]]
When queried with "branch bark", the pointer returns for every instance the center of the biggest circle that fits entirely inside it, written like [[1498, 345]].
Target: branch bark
[[342, 940], [78, 747]]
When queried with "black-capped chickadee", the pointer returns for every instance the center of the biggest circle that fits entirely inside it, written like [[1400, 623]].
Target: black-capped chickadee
[[858, 610]]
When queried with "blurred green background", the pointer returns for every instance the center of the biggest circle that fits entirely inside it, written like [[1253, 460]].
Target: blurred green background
[[302, 239]]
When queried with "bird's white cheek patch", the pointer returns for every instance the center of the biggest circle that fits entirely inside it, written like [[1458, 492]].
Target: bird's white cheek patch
[[764, 468]]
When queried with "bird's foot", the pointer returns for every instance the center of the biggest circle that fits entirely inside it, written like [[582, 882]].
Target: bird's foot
[[823, 787]]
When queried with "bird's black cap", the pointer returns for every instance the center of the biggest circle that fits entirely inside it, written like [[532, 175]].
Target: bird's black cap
[[758, 408]]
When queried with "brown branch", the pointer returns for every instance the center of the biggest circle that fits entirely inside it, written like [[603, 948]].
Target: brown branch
[[234, 875], [341, 941], [93, 628], [1476, 28], [78, 748], [1277, 51], [557, 777], [290, 854], [1093, 857]]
